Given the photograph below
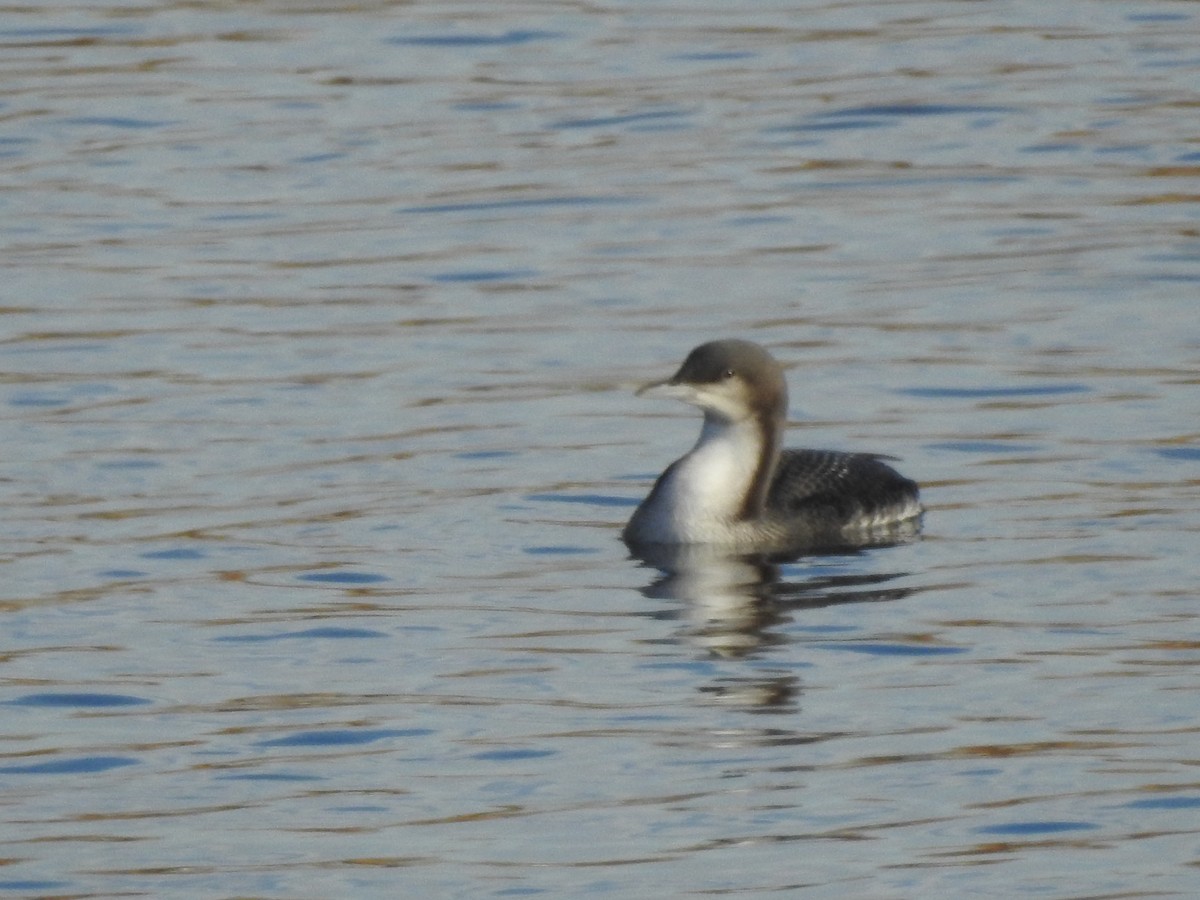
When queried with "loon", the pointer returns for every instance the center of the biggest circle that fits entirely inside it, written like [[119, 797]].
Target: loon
[[738, 489]]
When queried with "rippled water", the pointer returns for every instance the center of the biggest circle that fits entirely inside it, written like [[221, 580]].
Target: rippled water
[[321, 325]]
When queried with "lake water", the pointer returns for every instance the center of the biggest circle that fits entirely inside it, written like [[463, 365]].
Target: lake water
[[321, 326]]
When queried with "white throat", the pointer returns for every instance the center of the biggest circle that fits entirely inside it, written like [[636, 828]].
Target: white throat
[[702, 495]]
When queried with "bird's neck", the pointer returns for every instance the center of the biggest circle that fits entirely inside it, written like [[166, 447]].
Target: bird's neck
[[727, 474]]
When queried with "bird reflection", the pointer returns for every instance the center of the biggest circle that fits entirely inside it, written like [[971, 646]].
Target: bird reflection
[[734, 605], [775, 693]]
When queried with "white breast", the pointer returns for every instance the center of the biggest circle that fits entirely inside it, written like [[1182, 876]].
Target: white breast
[[700, 495]]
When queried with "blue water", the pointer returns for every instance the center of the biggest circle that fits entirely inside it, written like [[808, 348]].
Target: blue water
[[321, 332]]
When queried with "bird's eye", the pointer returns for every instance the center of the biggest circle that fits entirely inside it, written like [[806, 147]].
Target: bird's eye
[[729, 373]]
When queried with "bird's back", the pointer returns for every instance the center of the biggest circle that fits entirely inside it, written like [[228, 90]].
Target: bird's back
[[833, 489]]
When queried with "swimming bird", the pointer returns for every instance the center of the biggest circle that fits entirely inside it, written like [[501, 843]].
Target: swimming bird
[[737, 488]]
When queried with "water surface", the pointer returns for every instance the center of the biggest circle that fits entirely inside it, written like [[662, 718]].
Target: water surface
[[321, 329]]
